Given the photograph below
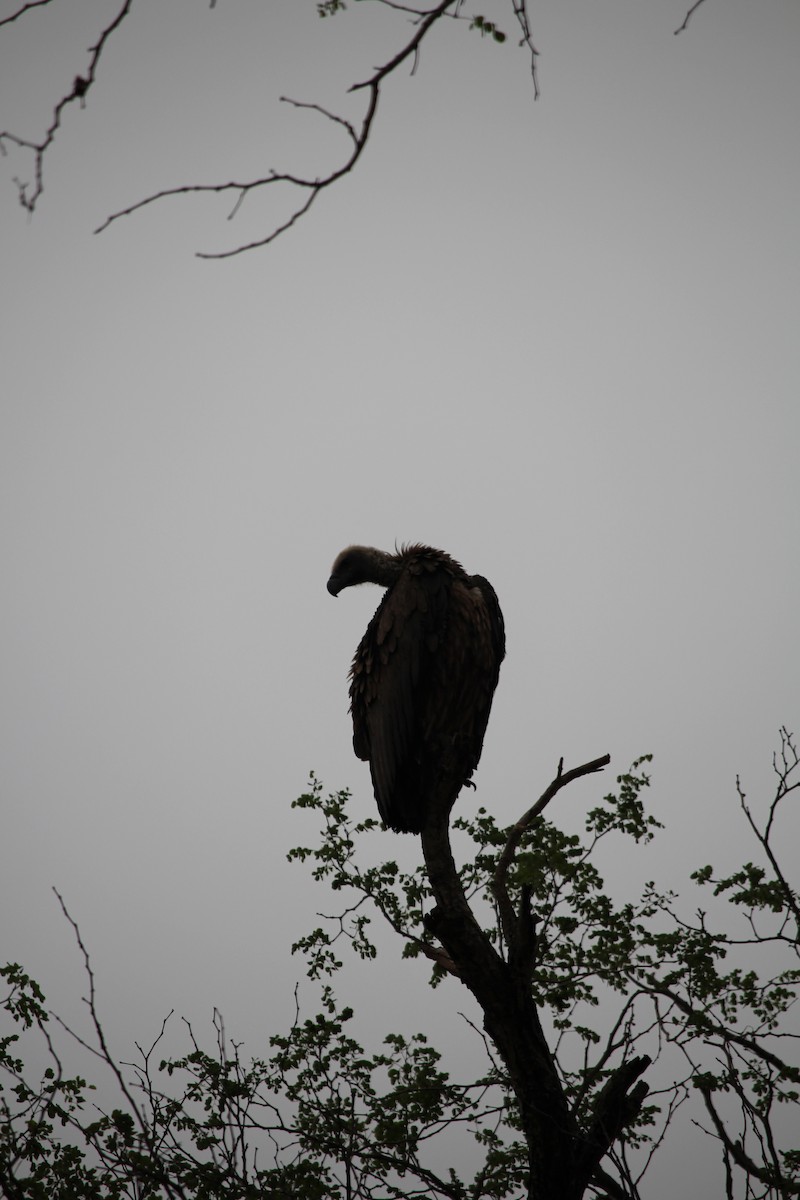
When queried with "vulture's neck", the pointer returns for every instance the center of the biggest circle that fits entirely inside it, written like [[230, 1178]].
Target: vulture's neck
[[384, 569]]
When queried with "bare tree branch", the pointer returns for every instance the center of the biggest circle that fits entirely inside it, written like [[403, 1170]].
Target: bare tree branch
[[21, 11], [689, 16], [314, 187], [424, 19], [90, 1000], [29, 196], [521, 13]]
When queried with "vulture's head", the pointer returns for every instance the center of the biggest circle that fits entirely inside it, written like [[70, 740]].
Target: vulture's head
[[362, 564]]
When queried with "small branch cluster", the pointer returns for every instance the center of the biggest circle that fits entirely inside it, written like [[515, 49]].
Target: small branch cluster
[[311, 187]]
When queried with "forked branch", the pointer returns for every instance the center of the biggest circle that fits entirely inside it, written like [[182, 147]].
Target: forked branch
[[517, 832]]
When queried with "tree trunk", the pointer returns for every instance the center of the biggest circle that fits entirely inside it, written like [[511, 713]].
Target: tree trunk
[[562, 1156], [510, 1019]]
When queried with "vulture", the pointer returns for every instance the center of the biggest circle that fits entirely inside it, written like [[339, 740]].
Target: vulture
[[423, 676]]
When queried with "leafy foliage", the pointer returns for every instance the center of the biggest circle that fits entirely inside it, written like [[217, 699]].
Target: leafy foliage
[[322, 1116], [487, 28]]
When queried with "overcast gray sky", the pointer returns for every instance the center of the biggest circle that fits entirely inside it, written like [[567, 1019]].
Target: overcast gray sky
[[558, 340]]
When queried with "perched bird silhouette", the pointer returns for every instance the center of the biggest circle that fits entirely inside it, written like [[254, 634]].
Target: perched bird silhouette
[[423, 676]]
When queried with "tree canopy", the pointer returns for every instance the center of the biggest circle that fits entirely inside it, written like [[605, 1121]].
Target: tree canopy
[[606, 1021]]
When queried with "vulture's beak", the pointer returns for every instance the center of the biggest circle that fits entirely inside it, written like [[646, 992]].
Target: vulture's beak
[[334, 587]]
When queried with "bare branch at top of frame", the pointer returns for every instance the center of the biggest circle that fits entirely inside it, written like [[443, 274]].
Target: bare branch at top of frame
[[313, 187], [30, 193], [422, 18]]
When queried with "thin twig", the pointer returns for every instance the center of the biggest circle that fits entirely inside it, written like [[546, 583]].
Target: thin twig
[[21, 11], [689, 16], [521, 13]]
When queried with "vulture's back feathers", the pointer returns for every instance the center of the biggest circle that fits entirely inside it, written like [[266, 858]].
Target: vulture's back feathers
[[423, 676]]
